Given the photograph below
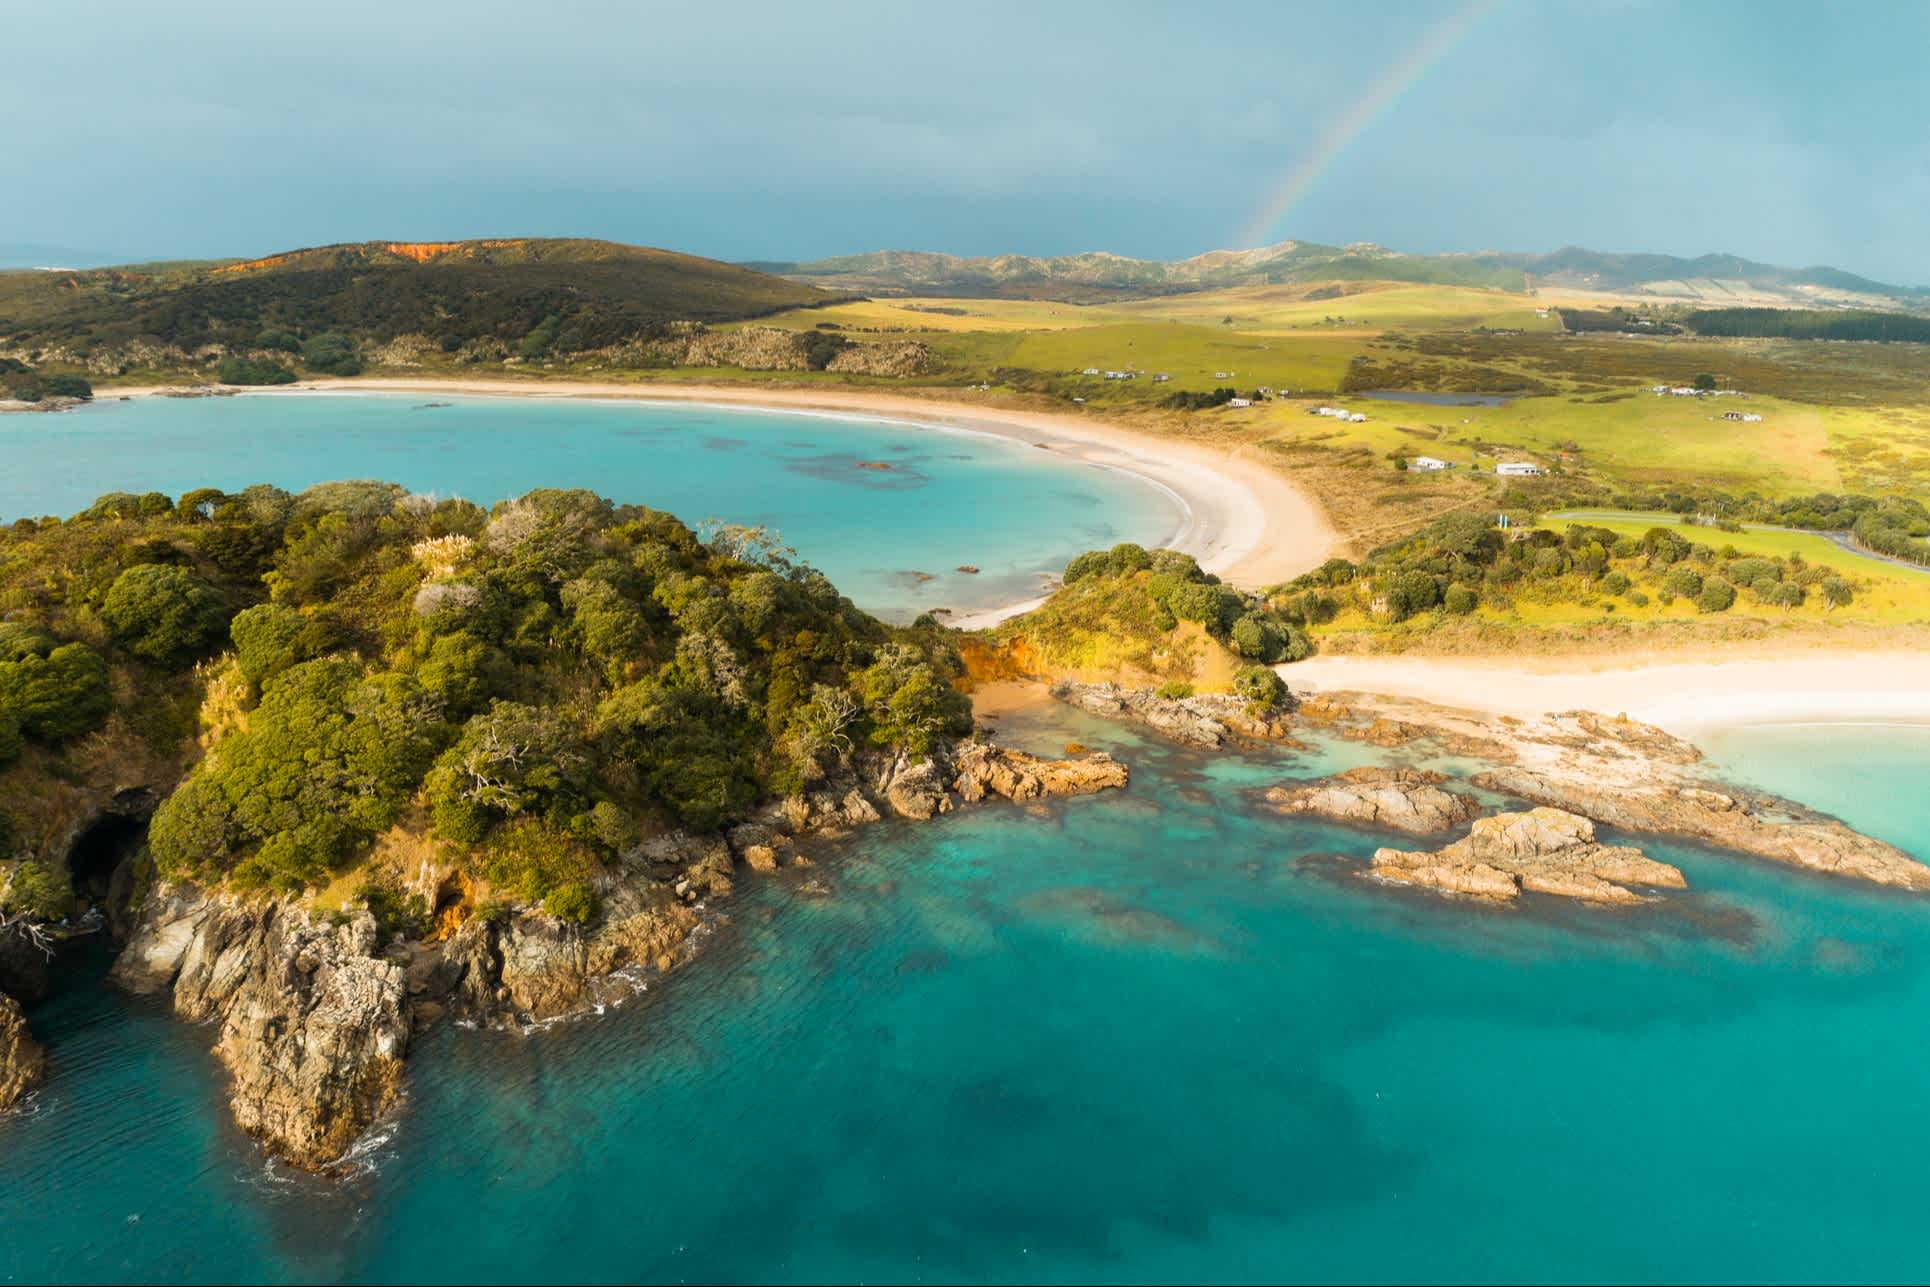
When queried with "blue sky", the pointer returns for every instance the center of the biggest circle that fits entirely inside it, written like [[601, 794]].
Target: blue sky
[[1790, 133]]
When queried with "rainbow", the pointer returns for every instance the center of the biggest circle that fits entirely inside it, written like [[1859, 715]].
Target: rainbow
[[1439, 41]]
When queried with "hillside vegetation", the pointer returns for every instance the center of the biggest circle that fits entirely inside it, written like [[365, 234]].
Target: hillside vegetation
[[573, 294], [535, 686]]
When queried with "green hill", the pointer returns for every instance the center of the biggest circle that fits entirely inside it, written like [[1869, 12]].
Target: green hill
[[587, 293], [1095, 276]]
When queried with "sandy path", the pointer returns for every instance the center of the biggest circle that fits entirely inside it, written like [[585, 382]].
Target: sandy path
[[1706, 691], [1243, 520]]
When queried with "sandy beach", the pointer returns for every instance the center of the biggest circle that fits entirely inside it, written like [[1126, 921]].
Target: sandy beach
[[1243, 520], [1698, 692]]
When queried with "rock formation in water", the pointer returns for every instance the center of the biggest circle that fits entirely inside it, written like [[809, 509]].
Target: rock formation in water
[[314, 1013], [1543, 851], [22, 1062], [1207, 720], [1399, 799]]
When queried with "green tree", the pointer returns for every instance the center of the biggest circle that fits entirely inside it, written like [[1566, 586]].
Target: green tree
[[164, 614], [53, 695]]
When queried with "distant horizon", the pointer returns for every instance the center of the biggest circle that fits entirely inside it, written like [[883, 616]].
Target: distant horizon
[[14, 255]]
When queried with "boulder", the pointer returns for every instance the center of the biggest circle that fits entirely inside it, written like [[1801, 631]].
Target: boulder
[[1544, 851], [1408, 800]]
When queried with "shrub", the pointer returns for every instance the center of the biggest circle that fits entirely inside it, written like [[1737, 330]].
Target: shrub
[[1174, 690], [1682, 583], [53, 695], [39, 891], [1259, 686], [1615, 583], [1836, 592], [1717, 595], [271, 637], [240, 370], [575, 902], [164, 614], [1638, 598], [331, 353], [1460, 600], [66, 386], [1783, 594]]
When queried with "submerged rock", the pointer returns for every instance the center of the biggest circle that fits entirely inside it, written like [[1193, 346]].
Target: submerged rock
[[1401, 799], [1544, 851], [23, 1065]]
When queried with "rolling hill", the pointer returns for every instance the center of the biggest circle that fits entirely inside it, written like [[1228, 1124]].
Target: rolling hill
[[1710, 280], [588, 292]]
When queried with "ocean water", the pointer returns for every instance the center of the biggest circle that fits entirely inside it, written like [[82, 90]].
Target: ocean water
[[892, 538], [1146, 1036]]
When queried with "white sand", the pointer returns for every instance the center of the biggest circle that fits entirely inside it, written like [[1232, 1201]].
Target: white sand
[[1680, 696], [1242, 519]]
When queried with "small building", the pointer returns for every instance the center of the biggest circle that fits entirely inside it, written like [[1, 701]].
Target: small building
[[1751, 418], [1222, 375], [1355, 417], [1517, 469], [1428, 463], [1092, 370], [1239, 402], [1160, 377], [1732, 415]]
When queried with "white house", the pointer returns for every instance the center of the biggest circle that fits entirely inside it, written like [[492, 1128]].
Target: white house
[[1239, 402], [1751, 418], [1161, 377], [1092, 370], [1355, 417], [1428, 462], [1517, 469]]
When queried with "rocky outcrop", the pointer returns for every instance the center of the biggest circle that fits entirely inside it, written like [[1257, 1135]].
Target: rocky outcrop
[[897, 359], [1399, 799], [1764, 826], [1630, 775], [1544, 851], [313, 1026], [23, 1065], [1207, 720]]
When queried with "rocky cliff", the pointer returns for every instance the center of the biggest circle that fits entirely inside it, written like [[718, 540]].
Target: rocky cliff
[[23, 1065], [314, 1013]]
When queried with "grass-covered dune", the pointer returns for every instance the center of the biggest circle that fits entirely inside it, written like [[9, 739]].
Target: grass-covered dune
[[532, 687]]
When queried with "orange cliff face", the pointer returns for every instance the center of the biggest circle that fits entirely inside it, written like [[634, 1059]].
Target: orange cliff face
[[420, 252]]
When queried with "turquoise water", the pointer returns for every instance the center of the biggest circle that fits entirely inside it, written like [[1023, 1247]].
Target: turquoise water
[[892, 539], [1143, 1036]]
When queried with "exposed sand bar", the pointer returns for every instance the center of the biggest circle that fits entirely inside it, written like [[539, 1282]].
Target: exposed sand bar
[[1683, 697], [1243, 519]]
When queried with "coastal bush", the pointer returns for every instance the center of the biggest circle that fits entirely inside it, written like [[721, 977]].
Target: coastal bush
[[164, 614], [1682, 583], [1260, 686], [39, 891], [1174, 690], [1782, 594], [331, 353], [1615, 583], [1460, 600], [575, 902], [597, 671], [241, 370], [1716, 595], [271, 637], [66, 386], [1836, 592]]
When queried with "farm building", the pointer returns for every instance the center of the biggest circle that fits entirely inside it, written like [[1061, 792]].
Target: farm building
[[1517, 469], [1239, 402], [1429, 463]]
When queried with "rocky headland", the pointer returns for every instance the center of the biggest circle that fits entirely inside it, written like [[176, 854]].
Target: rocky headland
[[314, 1010], [1605, 770]]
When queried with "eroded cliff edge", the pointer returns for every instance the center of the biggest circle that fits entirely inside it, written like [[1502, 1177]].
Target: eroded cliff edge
[[314, 1011]]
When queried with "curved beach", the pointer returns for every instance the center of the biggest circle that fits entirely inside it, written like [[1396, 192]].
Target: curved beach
[[1700, 692], [1243, 520]]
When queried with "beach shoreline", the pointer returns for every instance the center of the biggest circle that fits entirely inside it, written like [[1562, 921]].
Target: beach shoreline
[[1685, 693], [1242, 519]]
